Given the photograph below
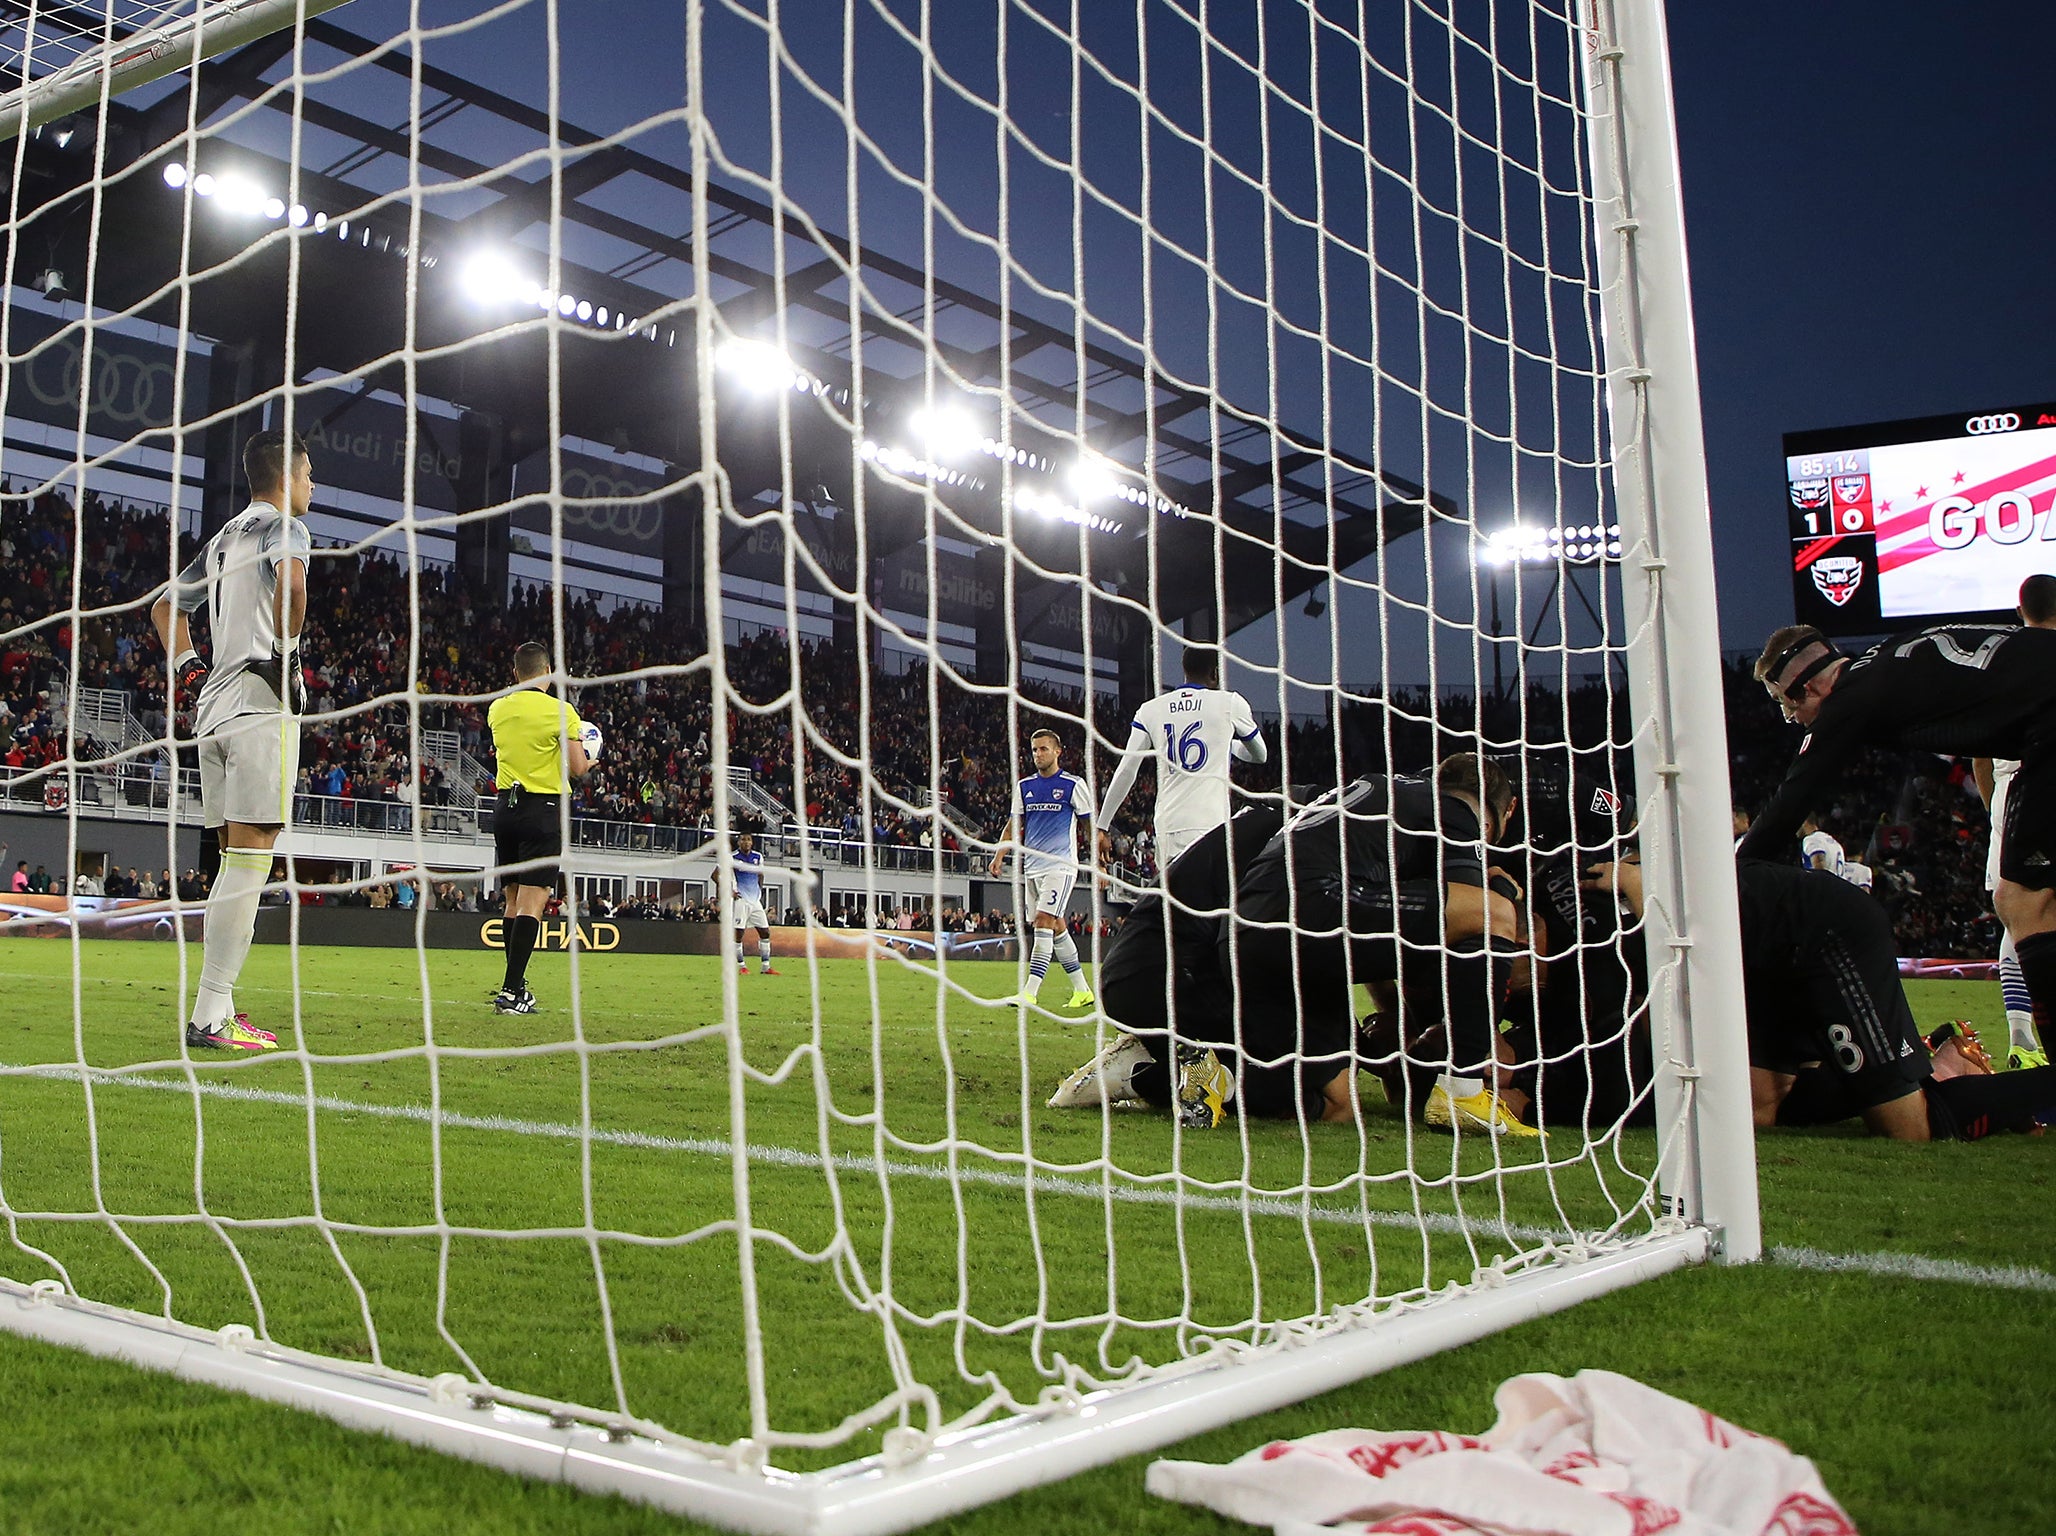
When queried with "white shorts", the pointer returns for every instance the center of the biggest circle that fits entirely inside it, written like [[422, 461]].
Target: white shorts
[[247, 770], [2002, 780], [1172, 841], [1052, 891], [750, 914]]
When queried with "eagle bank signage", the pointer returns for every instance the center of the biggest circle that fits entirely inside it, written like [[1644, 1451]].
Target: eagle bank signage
[[362, 927], [555, 934]]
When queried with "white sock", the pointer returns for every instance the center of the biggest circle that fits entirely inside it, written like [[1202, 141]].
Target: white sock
[[1460, 1087], [1038, 957], [1067, 957], [764, 952], [231, 924], [2020, 1010]]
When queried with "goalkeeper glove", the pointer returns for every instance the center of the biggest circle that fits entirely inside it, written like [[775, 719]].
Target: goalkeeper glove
[[590, 738], [191, 673]]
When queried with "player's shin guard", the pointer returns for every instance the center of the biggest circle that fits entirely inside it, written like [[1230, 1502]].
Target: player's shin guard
[[231, 922], [1038, 957], [521, 936], [1975, 1106], [1067, 955], [2038, 970]]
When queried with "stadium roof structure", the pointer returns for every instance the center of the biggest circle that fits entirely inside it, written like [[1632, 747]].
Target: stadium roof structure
[[628, 245]]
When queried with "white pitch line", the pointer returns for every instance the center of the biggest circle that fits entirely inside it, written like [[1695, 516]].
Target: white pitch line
[[1914, 1266], [791, 1157], [1897, 1266]]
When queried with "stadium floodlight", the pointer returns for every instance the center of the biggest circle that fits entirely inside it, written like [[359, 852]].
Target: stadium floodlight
[[760, 367], [490, 278], [203, 185], [297, 215], [1092, 477], [174, 174], [946, 431], [238, 194], [1047, 504]]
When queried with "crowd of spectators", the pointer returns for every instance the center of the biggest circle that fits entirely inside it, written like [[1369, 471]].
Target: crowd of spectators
[[940, 757]]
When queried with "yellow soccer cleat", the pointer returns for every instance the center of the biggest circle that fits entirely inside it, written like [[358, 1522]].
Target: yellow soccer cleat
[[229, 1035], [1203, 1085], [2021, 1057], [1482, 1111]]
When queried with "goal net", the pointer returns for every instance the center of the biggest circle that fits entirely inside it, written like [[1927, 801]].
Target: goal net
[[839, 395]]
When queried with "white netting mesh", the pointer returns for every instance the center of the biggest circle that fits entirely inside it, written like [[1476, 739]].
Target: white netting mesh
[[884, 383]]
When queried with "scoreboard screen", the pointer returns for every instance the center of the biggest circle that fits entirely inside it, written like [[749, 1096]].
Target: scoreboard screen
[[1907, 523]]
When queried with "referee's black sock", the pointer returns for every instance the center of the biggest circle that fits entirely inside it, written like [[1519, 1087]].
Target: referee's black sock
[[2038, 970], [1975, 1106], [521, 937]]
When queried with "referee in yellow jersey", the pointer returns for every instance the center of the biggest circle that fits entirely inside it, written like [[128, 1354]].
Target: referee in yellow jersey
[[536, 738]]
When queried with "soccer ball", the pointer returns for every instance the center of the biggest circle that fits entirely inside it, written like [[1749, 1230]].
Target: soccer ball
[[590, 738]]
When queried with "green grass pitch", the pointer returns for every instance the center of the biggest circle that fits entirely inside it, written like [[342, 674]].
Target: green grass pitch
[[1925, 1402]]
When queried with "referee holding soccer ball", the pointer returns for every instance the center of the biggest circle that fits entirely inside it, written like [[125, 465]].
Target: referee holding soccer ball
[[536, 739]]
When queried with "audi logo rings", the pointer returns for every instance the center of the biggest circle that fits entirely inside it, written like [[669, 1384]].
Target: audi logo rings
[[1980, 426], [127, 390], [590, 502]]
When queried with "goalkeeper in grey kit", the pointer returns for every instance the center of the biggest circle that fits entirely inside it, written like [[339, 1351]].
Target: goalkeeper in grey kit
[[252, 576]]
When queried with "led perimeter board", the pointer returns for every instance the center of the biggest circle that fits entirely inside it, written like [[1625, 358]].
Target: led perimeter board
[[1907, 523]]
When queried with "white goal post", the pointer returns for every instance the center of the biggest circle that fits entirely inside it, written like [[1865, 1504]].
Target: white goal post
[[938, 425]]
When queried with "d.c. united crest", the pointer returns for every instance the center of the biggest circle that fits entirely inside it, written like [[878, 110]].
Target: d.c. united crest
[[1809, 493], [1837, 577]]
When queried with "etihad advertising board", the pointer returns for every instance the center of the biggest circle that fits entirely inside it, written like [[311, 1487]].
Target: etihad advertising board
[[1906, 523]]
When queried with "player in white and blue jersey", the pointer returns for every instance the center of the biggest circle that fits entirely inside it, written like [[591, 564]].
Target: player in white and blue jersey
[[1190, 733], [746, 877], [1048, 806]]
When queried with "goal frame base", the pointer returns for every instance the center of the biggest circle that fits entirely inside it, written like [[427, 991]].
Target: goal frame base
[[868, 1497]]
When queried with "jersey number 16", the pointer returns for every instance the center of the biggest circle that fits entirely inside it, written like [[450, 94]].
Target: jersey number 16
[[1187, 751]]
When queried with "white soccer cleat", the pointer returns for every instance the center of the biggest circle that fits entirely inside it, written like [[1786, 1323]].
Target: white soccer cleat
[[1106, 1079]]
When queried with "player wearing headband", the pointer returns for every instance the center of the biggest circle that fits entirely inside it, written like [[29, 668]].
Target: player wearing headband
[[1966, 690]]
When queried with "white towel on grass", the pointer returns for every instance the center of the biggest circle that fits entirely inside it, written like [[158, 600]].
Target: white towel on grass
[[1596, 1455]]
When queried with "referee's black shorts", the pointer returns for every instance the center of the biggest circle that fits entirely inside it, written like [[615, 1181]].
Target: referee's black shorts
[[526, 829]]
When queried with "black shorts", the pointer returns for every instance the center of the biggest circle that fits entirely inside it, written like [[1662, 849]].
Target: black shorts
[[1138, 974], [2027, 839], [526, 829], [1846, 1012]]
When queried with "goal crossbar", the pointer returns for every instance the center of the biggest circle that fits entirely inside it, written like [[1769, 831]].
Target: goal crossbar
[[214, 27]]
